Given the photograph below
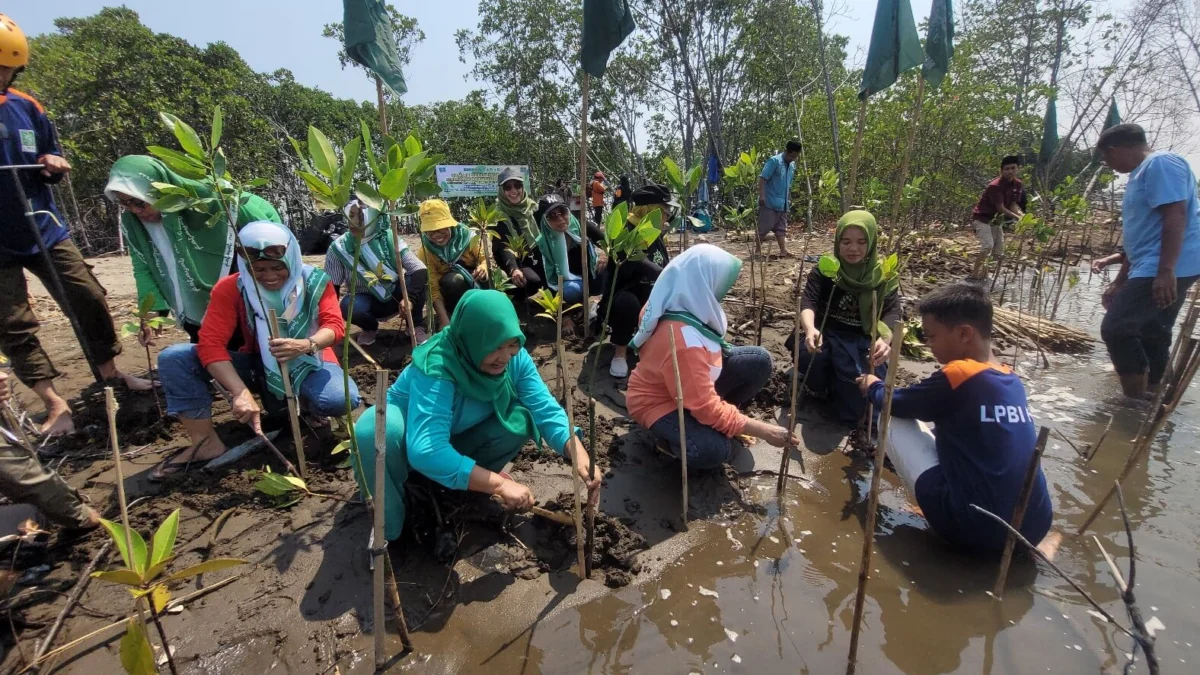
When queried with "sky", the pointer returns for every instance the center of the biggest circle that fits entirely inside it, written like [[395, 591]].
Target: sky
[[436, 73]]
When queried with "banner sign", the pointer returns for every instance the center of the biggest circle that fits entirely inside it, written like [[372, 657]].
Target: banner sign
[[472, 180]]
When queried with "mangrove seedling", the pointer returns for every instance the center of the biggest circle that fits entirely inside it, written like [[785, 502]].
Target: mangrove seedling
[[287, 490], [145, 576], [148, 317], [551, 304]]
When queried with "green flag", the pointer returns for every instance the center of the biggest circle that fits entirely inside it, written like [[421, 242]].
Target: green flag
[[606, 24], [895, 47], [370, 42], [939, 43], [1114, 115], [1049, 135]]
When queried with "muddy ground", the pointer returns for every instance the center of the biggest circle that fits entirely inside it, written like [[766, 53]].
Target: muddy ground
[[466, 569]]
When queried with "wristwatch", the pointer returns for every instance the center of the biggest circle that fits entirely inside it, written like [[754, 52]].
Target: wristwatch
[[312, 347]]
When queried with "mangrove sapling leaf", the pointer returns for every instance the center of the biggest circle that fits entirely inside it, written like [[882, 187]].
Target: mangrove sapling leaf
[[616, 221], [394, 184], [220, 165], [214, 565], [692, 179], [178, 162], [674, 175], [188, 139], [413, 163], [829, 266], [218, 125], [889, 266], [412, 145], [367, 194], [163, 542], [340, 447], [369, 150], [500, 280], [305, 165], [169, 189], [123, 577], [135, 560], [137, 656], [426, 190], [518, 246], [321, 152], [350, 154], [316, 186]]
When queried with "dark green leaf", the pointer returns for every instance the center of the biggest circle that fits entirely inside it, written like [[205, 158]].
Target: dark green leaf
[[367, 194], [426, 190], [188, 139], [219, 164], [394, 184], [316, 185], [218, 124]]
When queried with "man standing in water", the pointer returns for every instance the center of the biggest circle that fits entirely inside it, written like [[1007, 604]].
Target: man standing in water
[[774, 183], [27, 137], [1160, 224], [1000, 203]]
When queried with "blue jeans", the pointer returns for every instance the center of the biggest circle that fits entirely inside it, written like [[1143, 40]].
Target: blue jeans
[[744, 373], [835, 370], [185, 385], [370, 310]]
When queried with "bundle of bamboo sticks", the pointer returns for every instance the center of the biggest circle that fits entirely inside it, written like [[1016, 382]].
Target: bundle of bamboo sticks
[[1032, 331]]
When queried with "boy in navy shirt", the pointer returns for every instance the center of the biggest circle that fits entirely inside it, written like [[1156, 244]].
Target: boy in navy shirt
[[27, 137], [985, 434]]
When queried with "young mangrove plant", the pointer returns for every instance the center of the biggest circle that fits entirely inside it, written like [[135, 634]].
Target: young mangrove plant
[[683, 184], [145, 576], [149, 319]]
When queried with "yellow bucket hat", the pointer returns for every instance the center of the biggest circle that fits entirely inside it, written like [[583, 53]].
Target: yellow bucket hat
[[435, 215]]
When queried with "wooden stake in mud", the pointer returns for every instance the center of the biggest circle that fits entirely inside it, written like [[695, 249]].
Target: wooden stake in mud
[[781, 484], [293, 406], [379, 544], [593, 502], [576, 480], [110, 407], [1170, 397], [873, 503], [562, 371], [403, 283], [682, 427], [1019, 513], [870, 369]]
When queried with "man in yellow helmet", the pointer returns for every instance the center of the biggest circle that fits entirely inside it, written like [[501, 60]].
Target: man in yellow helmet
[[26, 138]]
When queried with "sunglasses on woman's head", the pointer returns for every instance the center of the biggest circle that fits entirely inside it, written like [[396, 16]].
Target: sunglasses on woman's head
[[272, 252]]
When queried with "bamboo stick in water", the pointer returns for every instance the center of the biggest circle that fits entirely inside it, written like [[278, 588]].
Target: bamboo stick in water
[[682, 425], [873, 502], [379, 549], [576, 480], [1019, 513]]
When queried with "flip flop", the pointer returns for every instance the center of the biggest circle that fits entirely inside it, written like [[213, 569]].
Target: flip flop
[[167, 470]]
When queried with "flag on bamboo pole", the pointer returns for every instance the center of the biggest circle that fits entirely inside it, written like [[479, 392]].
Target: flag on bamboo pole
[[1049, 135], [606, 24], [370, 42], [895, 47], [939, 43], [1114, 116]]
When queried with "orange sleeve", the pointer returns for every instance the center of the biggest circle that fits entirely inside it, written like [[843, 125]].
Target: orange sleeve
[[699, 393]]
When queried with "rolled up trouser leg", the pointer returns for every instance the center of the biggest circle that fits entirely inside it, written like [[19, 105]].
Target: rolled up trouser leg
[[23, 479]]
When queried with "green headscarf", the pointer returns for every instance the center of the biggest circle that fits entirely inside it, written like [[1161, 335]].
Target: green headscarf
[[460, 240], [202, 253], [553, 246], [520, 215], [866, 279], [482, 321]]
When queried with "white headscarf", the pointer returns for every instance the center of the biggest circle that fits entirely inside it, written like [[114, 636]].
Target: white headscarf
[[693, 284]]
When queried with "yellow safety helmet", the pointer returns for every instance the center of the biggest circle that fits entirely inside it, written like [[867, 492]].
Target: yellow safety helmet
[[14, 48]]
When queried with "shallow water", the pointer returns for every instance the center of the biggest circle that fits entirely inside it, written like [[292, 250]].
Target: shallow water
[[775, 592]]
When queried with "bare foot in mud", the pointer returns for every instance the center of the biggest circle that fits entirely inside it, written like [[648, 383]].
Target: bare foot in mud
[[137, 383], [208, 448], [58, 423], [1050, 543]]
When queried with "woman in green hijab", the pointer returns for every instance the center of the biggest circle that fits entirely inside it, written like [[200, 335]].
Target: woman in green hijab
[[516, 250], [177, 257], [468, 404], [837, 320]]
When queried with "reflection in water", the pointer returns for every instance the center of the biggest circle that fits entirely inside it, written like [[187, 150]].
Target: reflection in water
[[786, 588]]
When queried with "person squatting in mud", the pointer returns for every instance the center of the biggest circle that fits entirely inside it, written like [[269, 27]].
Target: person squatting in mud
[[27, 137], [310, 323], [454, 255], [985, 433], [836, 319], [377, 298], [466, 405], [715, 377]]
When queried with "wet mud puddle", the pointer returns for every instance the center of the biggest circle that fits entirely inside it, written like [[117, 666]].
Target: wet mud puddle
[[772, 589]]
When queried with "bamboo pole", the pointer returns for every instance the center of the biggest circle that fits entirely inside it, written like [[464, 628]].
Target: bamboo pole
[[858, 139], [682, 425], [379, 549], [871, 356], [1144, 440], [786, 460], [1019, 513], [562, 371], [873, 502], [110, 407], [593, 502], [781, 484], [583, 205], [576, 479], [829, 101], [292, 405], [908, 151]]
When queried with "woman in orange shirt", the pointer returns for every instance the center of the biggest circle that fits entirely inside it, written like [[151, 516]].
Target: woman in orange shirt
[[597, 190], [716, 378]]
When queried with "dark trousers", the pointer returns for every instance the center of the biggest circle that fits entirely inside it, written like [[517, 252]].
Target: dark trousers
[[84, 295], [370, 310], [455, 283], [835, 369], [744, 373], [533, 283], [598, 215], [1137, 331], [634, 282]]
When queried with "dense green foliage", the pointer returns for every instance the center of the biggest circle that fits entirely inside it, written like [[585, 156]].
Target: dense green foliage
[[698, 77]]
